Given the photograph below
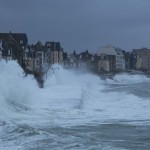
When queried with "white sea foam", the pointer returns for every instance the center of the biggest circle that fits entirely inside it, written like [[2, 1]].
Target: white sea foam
[[16, 90], [68, 98], [125, 78]]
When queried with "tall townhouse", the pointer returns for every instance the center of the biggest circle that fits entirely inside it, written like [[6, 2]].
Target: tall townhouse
[[13, 45], [41, 59], [142, 57], [55, 52]]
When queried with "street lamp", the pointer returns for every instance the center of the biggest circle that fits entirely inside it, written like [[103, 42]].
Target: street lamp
[[53, 69]]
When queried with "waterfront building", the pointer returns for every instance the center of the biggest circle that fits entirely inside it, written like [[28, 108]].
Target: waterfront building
[[129, 60], [13, 45], [106, 63], [55, 52], [142, 58], [30, 58], [111, 59], [1, 49], [85, 60], [41, 57], [72, 62]]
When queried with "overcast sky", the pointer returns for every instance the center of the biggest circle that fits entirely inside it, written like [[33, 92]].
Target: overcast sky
[[80, 24]]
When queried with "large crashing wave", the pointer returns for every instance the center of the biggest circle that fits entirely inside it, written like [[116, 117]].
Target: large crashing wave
[[67, 95], [88, 93], [16, 90], [70, 88], [69, 98]]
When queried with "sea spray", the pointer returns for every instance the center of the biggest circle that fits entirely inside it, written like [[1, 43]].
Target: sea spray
[[66, 92], [72, 106], [125, 78], [16, 89]]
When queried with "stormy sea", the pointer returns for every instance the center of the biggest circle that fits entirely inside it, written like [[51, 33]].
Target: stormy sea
[[74, 111]]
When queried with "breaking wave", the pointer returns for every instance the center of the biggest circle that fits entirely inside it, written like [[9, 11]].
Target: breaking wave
[[16, 90], [125, 78], [69, 98], [68, 91]]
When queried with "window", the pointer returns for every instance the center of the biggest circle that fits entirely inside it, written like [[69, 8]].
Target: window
[[9, 52], [48, 45], [118, 53], [21, 41], [39, 54]]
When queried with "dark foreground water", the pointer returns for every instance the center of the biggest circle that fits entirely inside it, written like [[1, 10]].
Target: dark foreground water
[[105, 137]]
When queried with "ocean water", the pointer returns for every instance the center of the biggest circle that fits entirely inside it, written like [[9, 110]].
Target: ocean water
[[74, 111]]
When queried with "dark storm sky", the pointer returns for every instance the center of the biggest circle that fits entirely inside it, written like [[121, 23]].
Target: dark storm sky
[[80, 24]]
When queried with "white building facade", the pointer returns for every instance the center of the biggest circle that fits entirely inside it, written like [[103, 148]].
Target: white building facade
[[112, 58], [120, 60]]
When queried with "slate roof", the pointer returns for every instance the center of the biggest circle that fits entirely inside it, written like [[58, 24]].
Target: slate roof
[[17, 36], [55, 46]]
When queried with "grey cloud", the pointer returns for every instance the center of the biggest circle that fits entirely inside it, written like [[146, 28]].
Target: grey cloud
[[80, 24]]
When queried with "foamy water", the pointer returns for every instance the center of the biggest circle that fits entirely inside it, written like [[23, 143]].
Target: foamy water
[[125, 78], [69, 99]]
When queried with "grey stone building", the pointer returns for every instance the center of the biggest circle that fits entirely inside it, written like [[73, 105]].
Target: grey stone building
[[142, 58]]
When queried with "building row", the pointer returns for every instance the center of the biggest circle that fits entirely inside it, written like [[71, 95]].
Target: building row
[[116, 59], [33, 58], [38, 58]]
